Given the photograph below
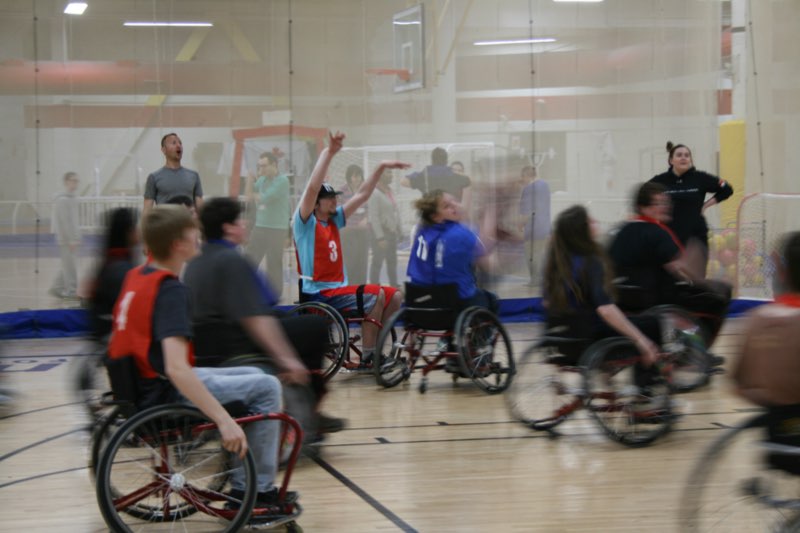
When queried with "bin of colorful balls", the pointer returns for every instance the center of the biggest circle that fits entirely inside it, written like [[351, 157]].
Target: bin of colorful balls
[[725, 250]]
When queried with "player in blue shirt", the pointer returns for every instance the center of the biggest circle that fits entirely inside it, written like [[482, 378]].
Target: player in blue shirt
[[445, 251]]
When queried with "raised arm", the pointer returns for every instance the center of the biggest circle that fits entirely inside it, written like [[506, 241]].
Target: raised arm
[[309, 198], [365, 190]]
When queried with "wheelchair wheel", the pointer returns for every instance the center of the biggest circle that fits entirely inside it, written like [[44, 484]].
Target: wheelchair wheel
[[338, 335], [731, 487], [485, 350], [392, 357], [165, 465], [90, 383], [103, 430], [631, 404], [685, 340], [542, 396]]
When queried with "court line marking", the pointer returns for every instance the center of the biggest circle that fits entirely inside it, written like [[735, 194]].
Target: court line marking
[[40, 476], [364, 495], [13, 415], [38, 443]]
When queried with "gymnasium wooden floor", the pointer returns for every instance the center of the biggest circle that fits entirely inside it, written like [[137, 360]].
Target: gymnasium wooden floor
[[448, 460]]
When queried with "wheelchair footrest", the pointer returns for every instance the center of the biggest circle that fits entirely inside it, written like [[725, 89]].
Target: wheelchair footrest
[[273, 516]]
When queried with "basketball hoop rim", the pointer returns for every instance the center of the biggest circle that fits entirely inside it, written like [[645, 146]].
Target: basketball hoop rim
[[401, 73]]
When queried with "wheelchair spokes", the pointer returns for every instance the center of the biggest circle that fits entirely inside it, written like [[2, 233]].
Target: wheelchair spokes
[[733, 486]]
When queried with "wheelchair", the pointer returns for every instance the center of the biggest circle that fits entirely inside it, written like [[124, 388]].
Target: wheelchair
[[476, 348], [686, 334], [632, 405], [747, 479], [164, 468], [344, 344]]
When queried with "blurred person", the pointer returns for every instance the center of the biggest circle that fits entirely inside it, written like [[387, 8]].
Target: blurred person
[[316, 225], [578, 290], [356, 236], [384, 221], [443, 250], [7, 394], [235, 323], [270, 196], [767, 368], [438, 175], [172, 179], [152, 324], [458, 167], [688, 188], [534, 208], [116, 259], [66, 226], [648, 255]]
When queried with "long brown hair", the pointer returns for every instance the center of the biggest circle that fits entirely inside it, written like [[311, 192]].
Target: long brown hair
[[572, 237]]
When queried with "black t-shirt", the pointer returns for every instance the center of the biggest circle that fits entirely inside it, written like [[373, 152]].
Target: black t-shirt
[[639, 252], [224, 290], [170, 319]]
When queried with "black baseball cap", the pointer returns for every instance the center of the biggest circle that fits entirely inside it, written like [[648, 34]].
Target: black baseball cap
[[327, 191]]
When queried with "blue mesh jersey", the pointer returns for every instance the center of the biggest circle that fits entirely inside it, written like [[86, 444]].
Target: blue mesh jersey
[[445, 253]]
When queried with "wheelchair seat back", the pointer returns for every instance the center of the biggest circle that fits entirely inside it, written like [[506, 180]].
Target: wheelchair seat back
[[433, 307], [124, 379], [632, 298], [783, 427], [569, 348]]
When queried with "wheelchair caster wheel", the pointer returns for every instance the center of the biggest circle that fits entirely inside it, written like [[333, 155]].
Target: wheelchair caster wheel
[[293, 527], [454, 377], [423, 386]]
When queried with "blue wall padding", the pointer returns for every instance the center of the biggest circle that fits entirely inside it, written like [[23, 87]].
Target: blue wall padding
[[54, 323]]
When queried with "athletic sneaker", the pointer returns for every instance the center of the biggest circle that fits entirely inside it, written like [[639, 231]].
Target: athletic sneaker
[[445, 344], [330, 424], [716, 360], [263, 499]]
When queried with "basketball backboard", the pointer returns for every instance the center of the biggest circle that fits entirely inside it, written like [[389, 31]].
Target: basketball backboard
[[409, 48]]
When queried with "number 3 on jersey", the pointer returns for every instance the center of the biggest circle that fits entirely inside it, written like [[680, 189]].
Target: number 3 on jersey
[[334, 255]]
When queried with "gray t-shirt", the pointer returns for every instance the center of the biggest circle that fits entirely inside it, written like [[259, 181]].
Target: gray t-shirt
[[166, 183]]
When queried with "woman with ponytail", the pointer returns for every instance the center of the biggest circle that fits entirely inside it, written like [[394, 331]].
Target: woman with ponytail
[[688, 189]]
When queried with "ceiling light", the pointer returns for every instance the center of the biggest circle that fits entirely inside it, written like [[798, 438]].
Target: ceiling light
[[173, 24], [586, 1], [516, 41], [75, 8]]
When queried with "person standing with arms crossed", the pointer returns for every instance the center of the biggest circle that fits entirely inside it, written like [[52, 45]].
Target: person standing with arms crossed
[[68, 234], [534, 208], [172, 179], [270, 195]]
